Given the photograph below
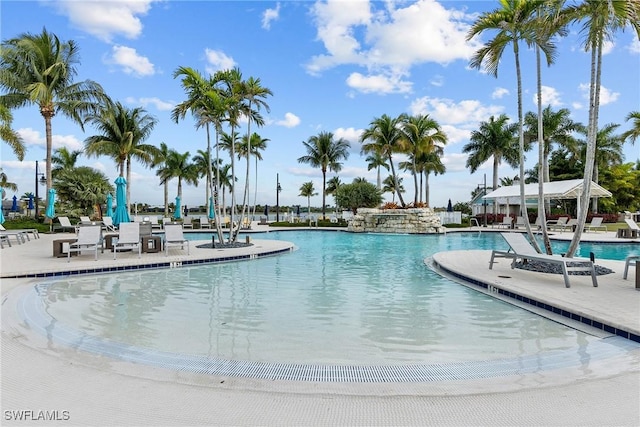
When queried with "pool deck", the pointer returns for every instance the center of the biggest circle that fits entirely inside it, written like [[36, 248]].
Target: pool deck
[[101, 391]]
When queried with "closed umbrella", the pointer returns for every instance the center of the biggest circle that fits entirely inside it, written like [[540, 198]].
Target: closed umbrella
[[449, 207], [121, 214], [50, 212], [30, 206], [14, 205], [266, 211], [177, 213], [1, 216], [212, 213], [298, 211], [109, 210]]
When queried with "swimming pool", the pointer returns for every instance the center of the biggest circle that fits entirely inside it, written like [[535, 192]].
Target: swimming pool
[[340, 300]]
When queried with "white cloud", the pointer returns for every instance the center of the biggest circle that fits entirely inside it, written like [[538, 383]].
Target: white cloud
[[217, 61], [32, 137], [290, 120], [131, 62], [634, 46], [550, 96], [456, 134], [350, 134], [606, 96], [499, 93], [437, 81], [446, 111], [455, 162], [270, 15], [382, 84], [145, 102], [607, 47], [106, 19]]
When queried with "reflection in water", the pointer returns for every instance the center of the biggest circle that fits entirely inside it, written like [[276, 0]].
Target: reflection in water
[[340, 299]]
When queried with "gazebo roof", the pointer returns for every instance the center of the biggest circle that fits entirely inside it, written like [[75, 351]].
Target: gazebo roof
[[569, 189]]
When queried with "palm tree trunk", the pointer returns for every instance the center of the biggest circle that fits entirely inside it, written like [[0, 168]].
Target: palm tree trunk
[[426, 186], [129, 185], [166, 199], [324, 189], [49, 138], [496, 163], [395, 181], [541, 150], [379, 179]]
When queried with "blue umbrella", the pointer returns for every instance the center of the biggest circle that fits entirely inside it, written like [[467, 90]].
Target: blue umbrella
[[30, 206], [51, 210], [109, 210], [177, 213], [298, 211], [14, 205], [121, 214], [1, 216], [266, 211], [449, 207], [212, 213]]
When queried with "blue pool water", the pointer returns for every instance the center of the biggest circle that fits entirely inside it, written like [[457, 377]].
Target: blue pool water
[[340, 298]]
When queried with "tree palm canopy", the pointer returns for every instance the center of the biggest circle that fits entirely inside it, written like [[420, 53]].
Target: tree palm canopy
[[39, 69], [393, 184], [5, 183], [326, 153], [82, 188], [62, 159], [633, 133], [177, 165], [8, 135], [384, 136], [307, 190], [121, 132], [377, 161]]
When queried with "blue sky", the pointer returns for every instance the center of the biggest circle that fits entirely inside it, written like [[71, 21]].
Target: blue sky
[[332, 66]]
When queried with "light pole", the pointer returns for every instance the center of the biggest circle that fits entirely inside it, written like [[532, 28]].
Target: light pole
[[278, 190], [43, 180]]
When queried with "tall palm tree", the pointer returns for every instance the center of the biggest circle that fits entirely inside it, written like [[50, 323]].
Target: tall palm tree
[[384, 136], [307, 190], [633, 133], [160, 162], [5, 183], [64, 159], [39, 69], [393, 185], [420, 135], [8, 135], [202, 162], [516, 21], [332, 187], [377, 161], [256, 144], [600, 19], [178, 166], [431, 163], [325, 152], [121, 134]]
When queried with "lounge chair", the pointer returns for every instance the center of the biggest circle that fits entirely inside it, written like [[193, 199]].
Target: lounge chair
[[4, 238], [28, 231], [128, 237], [21, 235], [632, 230], [85, 220], [573, 222], [173, 236], [65, 224], [89, 237], [204, 222], [187, 222], [557, 225], [628, 262], [596, 222], [520, 248], [107, 224], [246, 223], [507, 222], [519, 222]]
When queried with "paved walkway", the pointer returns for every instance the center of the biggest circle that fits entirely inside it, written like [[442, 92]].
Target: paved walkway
[[102, 391]]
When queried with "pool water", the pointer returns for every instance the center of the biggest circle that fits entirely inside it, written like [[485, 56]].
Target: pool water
[[339, 299]]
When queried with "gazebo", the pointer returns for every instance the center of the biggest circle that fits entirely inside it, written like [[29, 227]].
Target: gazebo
[[558, 190]]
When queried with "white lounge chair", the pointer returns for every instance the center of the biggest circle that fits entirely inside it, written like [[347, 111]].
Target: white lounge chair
[[85, 220], [569, 225], [27, 231], [65, 224], [507, 221], [596, 222], [173, 236], [89, 237], [520, 248], [4, 238], [20, 235], [558, 224], [204, 222], [632, 228], [107, 223], [128, 238], [187, 222], [628, 262]]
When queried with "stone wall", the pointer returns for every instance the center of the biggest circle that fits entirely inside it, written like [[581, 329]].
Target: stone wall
[[404, 221]]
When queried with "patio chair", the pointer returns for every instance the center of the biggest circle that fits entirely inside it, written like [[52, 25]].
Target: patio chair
[[128, 238], [107, 224], [204, 222], [628, 262], [85, 220], [569, 225], [173, 236], [557, 225], [4, 238], [520, 248], [519, 222], [632, 229], [21, 235], [596, 222], [507, 221], [89, 237], [187, 222], [65, 224]]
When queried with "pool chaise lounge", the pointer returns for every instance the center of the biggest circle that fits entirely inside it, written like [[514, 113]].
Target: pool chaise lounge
[[627, 264], [520, 248]]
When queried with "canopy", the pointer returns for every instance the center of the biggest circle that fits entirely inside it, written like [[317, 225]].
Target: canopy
[[569, 189], [121, 214]]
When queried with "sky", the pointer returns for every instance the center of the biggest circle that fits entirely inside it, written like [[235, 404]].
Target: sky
[[332, 66]]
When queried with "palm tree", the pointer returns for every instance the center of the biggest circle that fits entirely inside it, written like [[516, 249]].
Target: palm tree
[[376, 161], [39, 69], [64, 159], [121, 134], [600, 20], [307, 190], [8, 135], [392, 186], [160, 162], [332, 187], [420, 135], [324, 152], [177, 165], [384, 136], [256, 144], [514, 22], [226, 181], [431, 163], [202, 161], [83, 187], [633, 133], [5, 183]]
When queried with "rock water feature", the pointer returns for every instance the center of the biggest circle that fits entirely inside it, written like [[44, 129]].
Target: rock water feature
[[405, 221]]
